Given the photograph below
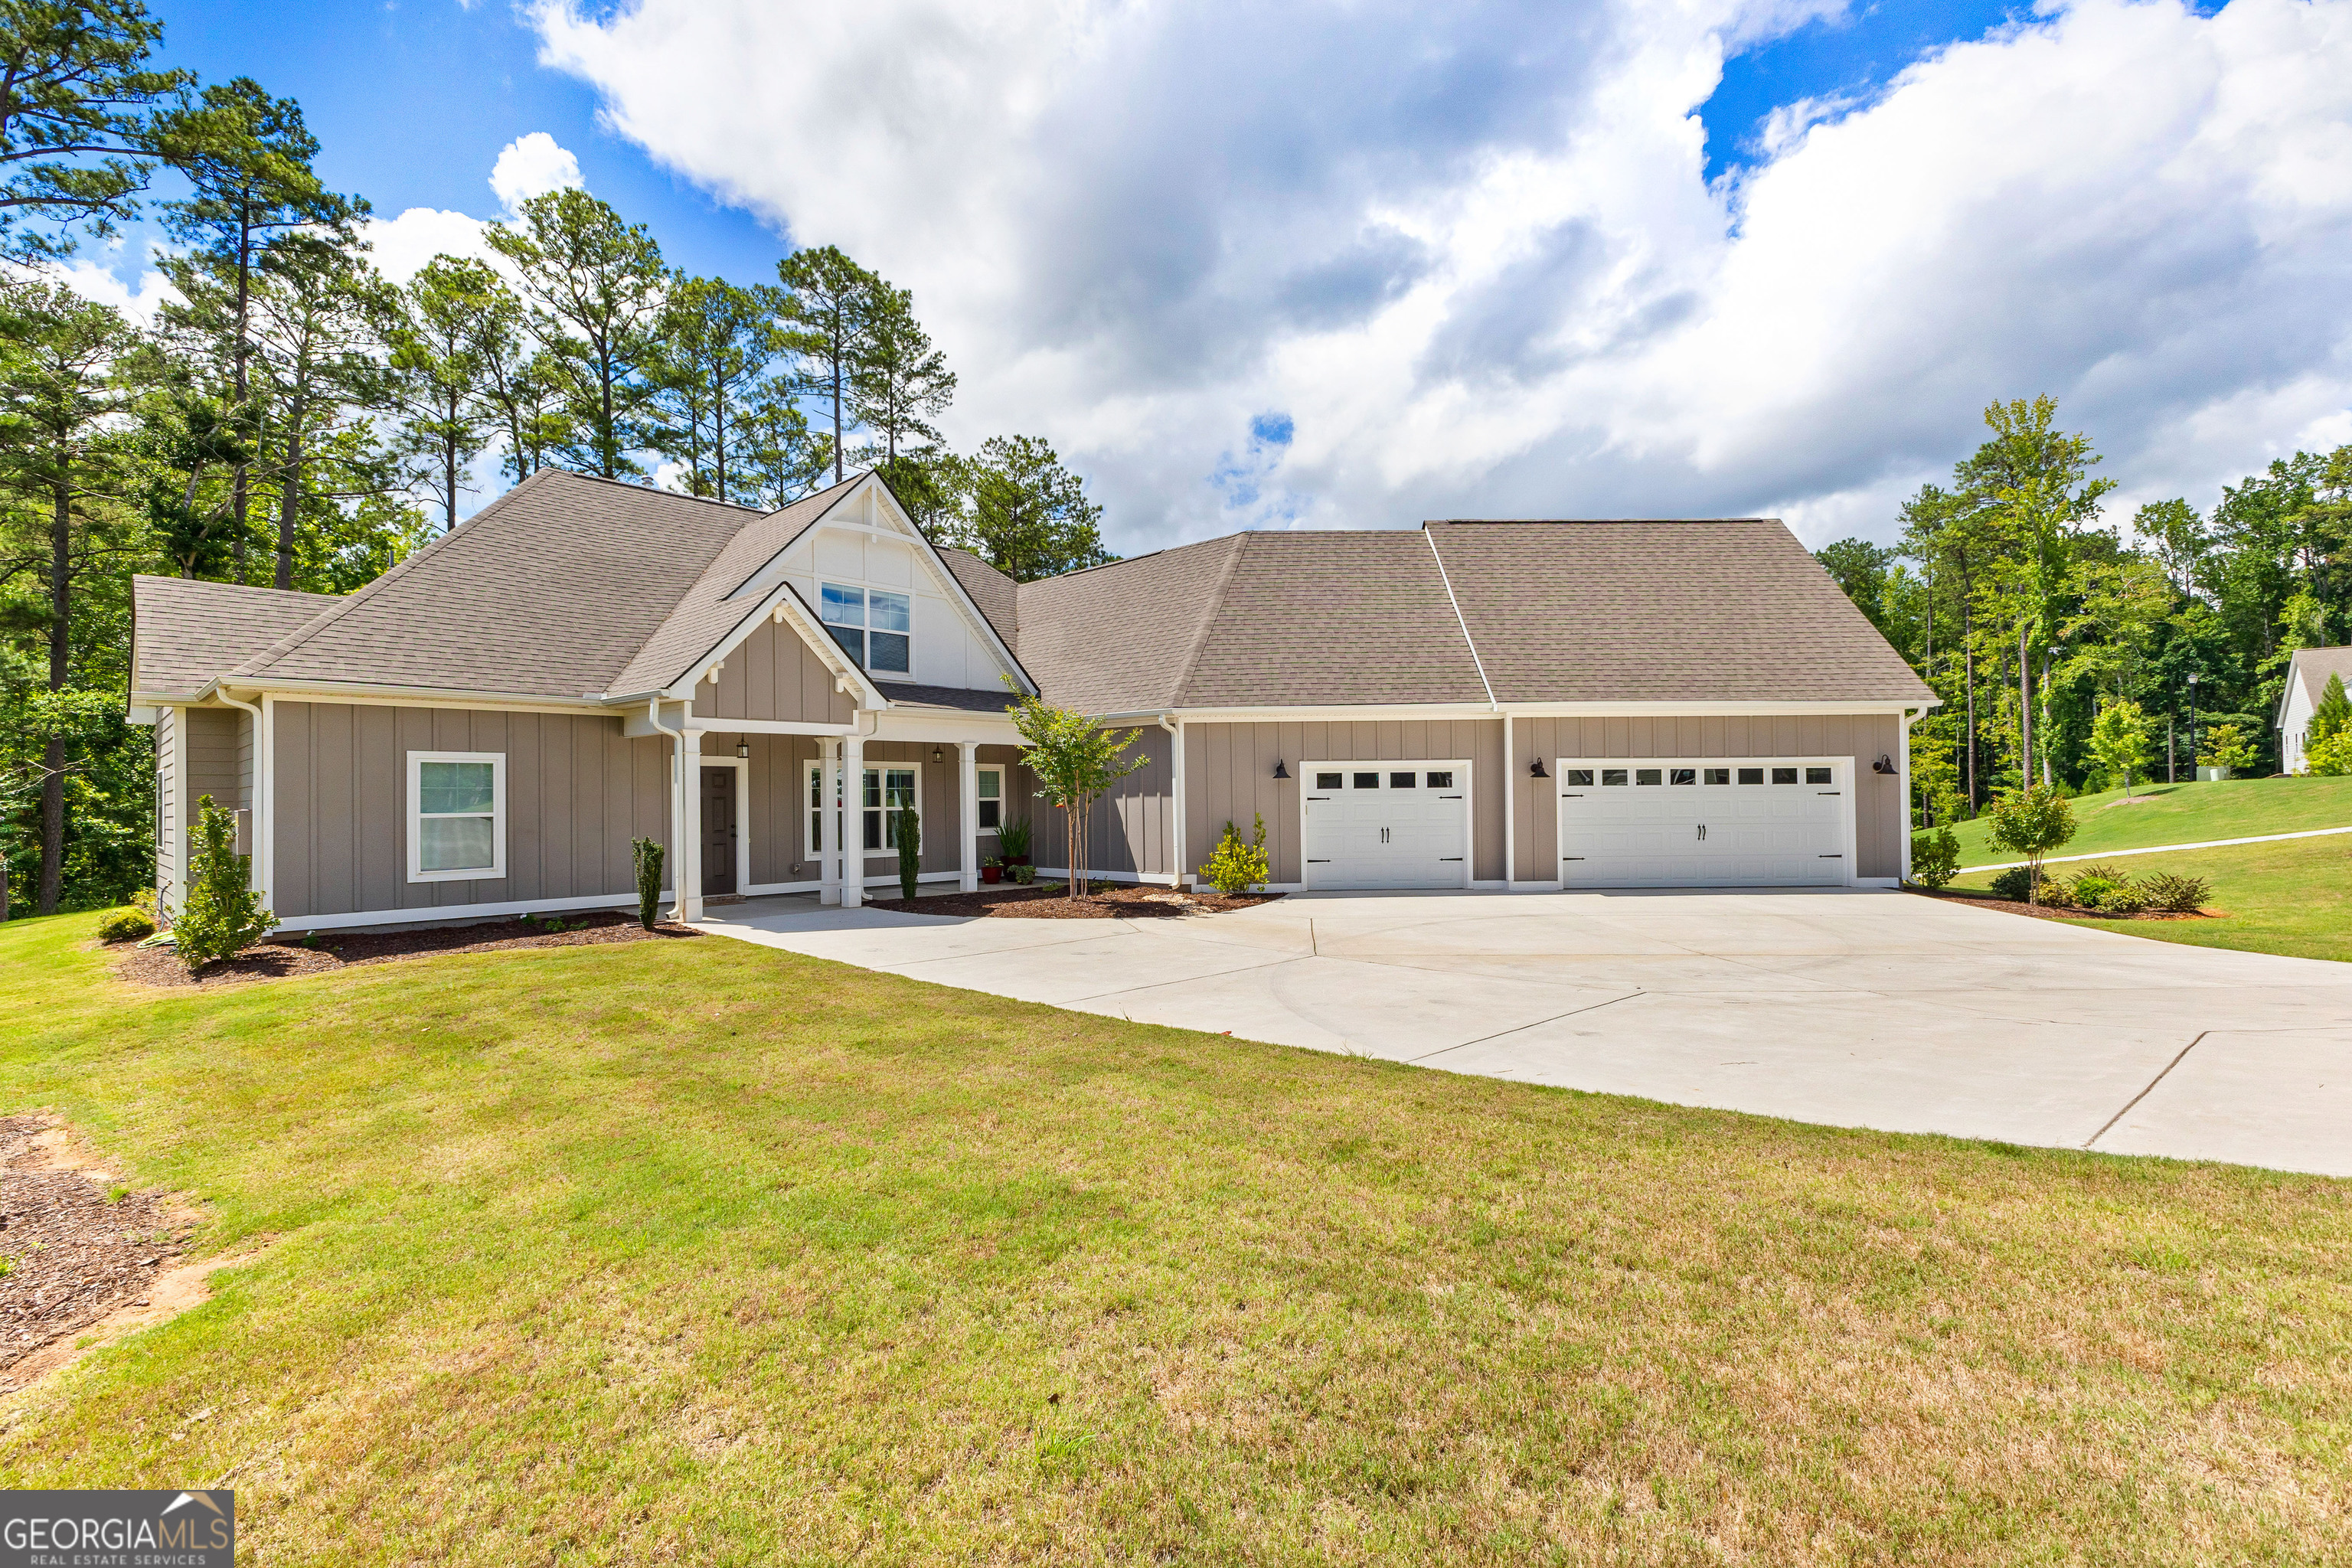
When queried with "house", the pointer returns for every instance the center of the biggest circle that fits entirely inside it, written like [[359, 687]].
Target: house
[[485, 728], [2307, 674]]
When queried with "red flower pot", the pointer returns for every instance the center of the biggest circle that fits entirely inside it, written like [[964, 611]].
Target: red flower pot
[[992, 873]]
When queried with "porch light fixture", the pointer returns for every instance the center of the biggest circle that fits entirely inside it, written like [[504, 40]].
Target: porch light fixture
[[1885, 764], [1279, 771], [1536, 770], [935, 753]]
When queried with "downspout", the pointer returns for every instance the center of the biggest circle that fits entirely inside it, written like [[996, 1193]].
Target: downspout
[[1902, 782], [676, 802], [263, 828], [1176, 791]]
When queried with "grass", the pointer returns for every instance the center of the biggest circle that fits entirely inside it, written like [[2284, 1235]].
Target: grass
[[700, 1252], [2294, 897], [2187, 813]]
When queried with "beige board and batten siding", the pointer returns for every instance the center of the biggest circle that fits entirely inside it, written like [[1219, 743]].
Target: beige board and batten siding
[[167, 807], [775, 675], [1229, 776], [1131, 827], [1864, 737], [577, 793], [219, 753]]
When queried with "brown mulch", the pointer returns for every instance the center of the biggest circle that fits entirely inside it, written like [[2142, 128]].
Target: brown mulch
[[1108, 901], [73, 1254], [2064, 911], [280, 958]]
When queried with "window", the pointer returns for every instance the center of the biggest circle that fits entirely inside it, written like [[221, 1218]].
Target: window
[[873, 626], [1817, 776], [1752, 775], [1784, 775], [1718, 775], [1612, 776], [992, 799], [816, 808], [1647, 776], [456, 816], [1682, 775], [1368, 781], [1580, 778], [1400, 781], [885, 791], [1441, 780], [1329, 781]]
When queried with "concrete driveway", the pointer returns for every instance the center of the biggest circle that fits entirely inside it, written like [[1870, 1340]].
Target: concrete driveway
[[1852, 1008]]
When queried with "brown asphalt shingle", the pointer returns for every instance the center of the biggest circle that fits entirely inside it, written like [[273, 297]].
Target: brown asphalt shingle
[[997, 595], [1121, 639], [185, 633]]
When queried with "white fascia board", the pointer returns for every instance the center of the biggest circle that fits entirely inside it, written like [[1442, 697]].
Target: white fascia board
[[395, 695], [782, 604], [936, 724], [636, 726], [962, 601], [1517, 710]]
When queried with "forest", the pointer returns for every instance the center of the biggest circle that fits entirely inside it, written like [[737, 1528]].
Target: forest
[[2055, 635], [295, 419]]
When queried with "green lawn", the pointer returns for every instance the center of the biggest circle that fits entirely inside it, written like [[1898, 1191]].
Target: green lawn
[[696, 1252], [2293, 897], [2187, 814]]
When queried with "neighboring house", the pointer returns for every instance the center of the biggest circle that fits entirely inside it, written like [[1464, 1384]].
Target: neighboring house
[[2306, 682], [483, 729]]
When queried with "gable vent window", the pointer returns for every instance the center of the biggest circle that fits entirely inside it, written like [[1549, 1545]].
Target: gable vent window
[[873, 626]]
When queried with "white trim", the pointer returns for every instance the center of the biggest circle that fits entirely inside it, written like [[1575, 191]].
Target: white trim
[[1849, 785], [865, 591], [1141, 878], [743, 766], [1518, 710], [1510, 804], [452, 913], [968, 813], [1003, 800], [809, 765], [496, 870], [396, 695], [1469, 788], [638, 727]]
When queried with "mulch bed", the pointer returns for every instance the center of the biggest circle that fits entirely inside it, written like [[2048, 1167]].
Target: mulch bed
[[73, 1256], [1109, 901], [281, 958], [2064, 911]]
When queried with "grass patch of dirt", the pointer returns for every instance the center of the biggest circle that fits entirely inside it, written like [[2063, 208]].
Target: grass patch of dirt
[[282, 958], [1050, 901]]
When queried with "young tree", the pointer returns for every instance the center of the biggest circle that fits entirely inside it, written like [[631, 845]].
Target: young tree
[[452, 324], [597, 288], [1030, 517], [2119, 742], [2227, 746], [246, 157], [2332, 714], [902, 382], [718, 342], [2031, 822], [80, 131], [222, 915], [60, 467], [827, 299], [1073, 760]]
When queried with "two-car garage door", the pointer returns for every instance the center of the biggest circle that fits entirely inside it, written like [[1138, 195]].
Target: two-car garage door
[[1771, 822]]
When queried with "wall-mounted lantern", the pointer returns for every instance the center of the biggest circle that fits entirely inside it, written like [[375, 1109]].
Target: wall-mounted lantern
[[1280, 772], [1536, 770]]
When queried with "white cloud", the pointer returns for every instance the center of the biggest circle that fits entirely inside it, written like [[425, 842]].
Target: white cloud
[[531, 166], [93, 281], [402, 245]]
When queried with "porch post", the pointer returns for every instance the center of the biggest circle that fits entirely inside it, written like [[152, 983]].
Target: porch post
[[967, 811], [1510, 813], [689, 838], [828, 822], [852, 837]]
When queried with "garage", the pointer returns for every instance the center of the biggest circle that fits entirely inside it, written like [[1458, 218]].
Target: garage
[[1386, 825], [1706, 822]]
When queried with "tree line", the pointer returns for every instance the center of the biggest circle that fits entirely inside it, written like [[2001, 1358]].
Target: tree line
[[294, 419], [2072, 650]]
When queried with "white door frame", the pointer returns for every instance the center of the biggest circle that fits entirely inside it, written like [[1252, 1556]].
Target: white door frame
[[743, 766], [1461, 765], [1843, 774]]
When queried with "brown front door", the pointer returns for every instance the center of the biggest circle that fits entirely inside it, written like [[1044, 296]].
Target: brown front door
[[717, 831]]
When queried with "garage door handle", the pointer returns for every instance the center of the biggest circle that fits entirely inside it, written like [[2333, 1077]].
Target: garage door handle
[[1829, 856], [1449, 856]]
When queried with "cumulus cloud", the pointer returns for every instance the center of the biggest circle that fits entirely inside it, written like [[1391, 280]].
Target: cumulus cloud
[[94, 281], [531, 166]]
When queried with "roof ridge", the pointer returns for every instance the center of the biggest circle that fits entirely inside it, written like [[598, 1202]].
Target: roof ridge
[[649, 490], [1212, 602], [1460, 619]]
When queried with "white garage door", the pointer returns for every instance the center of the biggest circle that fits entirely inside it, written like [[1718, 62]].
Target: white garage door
[[1387, 824], [1756, 822]]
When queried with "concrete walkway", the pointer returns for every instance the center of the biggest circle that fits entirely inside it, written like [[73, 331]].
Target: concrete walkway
[[1852, 1008]]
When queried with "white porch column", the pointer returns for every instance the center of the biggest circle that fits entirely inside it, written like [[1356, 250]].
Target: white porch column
[[1510, 810], [689, 838], [828, 820], [852, 837], [968, 812]]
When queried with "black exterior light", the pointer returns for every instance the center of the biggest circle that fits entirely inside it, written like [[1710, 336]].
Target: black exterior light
[[1280, 772], [1885, 764], [935, 753], [1536, 770], [743, 750]]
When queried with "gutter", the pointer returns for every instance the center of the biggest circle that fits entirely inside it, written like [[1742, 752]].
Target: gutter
[[1176, 791], [678, 808], [262, 829]]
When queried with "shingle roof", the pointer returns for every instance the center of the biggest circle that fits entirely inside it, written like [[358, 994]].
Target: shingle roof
[[1718, 610], [184, 633], [2312, 666], [1121, 639], [997, 595], [914, 694]]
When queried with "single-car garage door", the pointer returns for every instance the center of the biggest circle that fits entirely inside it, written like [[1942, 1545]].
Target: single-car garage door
[[1387, 824], [1759, 822]]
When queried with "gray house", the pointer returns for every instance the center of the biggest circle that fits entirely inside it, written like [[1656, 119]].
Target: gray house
[[1508, 705]]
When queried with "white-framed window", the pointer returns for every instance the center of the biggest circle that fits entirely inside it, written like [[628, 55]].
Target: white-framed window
[[874, 626], [992, 799], [888, 788], [456, 816]]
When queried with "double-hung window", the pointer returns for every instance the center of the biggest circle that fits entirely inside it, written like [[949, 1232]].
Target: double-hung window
[[992, 799], [456, 816], [873, 626], [883, 793]]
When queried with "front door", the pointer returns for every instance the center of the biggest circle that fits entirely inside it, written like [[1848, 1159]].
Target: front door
[[718, 831]]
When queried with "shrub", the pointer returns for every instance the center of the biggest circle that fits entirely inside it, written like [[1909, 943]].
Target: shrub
[[2016, 884], [1935, 857], [647, 856], [2031, 823], [2329, 756], [125, 925], [1238, 867], [222, 915], [910, 851], [2181, 895], [2100, 888]]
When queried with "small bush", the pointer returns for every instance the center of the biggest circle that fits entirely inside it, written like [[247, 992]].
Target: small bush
[[125, 925], [1935, 857], [2177, 895], [1238, 867], [646, 858], [910, 851], [2014, 884], [2100, 887], [223, 916]]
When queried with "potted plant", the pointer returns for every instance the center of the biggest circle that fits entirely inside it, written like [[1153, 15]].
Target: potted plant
[[1012, 845], [991, 870]]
